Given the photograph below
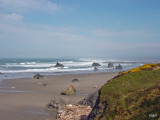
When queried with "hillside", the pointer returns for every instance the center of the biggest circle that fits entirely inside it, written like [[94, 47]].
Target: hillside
[[131, 95]]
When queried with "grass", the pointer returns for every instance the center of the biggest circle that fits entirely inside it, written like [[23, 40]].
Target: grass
[[132, 95]]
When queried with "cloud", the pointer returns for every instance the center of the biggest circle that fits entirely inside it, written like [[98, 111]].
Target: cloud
[[122, 34], [29, 5], [13, 17], [36, 39]]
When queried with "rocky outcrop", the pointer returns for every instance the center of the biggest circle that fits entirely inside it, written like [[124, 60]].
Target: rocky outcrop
[[70, 91], [90, 100], [38, 76], [142, 101], [96, 64], [95, 109], [110, 65], [59, 65], [119, 67]]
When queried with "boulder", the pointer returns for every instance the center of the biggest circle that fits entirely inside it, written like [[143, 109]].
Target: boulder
[[55, 104], [70, 91], [59, 65], [119, 67], [75, 80], [96, 64], [38, 76], [90, 100], [110, 65]]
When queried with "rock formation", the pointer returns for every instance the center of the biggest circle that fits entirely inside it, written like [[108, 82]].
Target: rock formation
[[110, 65], [59, 65], [96, 64], [38, 76], [119, 67], [69, 91], [90, 100]]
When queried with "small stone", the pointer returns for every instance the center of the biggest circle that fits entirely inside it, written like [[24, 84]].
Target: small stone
[[75, 80], [13, 87], [95, 87], [39, 83], [44, 84]]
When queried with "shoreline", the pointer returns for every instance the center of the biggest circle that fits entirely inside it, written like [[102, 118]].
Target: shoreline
[[31, 102], [65, 73]]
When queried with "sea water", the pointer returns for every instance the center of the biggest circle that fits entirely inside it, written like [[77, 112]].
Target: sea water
[[22, 68]]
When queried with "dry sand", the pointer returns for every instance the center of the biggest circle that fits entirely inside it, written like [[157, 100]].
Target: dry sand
[[26, 99]]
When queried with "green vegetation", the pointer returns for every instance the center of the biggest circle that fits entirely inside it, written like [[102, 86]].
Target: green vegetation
[[133, 95]]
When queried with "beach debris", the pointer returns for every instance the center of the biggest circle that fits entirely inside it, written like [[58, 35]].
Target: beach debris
[[69, 91], [96, 64], [119, 67], [39, 76], [74, 112], [75, 80], [59, 65], [110, 65]]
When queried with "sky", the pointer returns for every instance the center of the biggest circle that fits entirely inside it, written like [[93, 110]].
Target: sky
[[79, 28]]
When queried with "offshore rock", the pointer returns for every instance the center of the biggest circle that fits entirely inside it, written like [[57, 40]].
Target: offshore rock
[[96, 64], [119, 67], [95, 68], [59, 65], [110, 65]]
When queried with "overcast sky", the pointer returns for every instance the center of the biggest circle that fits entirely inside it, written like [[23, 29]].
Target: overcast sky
[[80, 28]]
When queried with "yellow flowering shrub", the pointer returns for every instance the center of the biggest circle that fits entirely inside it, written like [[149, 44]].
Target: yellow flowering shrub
[[144, 67]]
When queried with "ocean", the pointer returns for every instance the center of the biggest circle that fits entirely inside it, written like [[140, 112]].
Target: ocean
[[27, 68]]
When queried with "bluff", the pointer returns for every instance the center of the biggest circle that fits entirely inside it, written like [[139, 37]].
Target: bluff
[[131, 95]]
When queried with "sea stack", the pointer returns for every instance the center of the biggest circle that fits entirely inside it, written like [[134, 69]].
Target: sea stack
[[59, 65], [96, 64], [110, 65], [119, 67]]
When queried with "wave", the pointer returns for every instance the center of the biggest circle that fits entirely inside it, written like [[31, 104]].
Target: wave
[[70, 65], [47, 70]]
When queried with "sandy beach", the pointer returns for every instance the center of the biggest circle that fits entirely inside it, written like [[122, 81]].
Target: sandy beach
[[26, 99]]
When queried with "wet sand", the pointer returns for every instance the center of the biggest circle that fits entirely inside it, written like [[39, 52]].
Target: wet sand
[[26, 99]]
